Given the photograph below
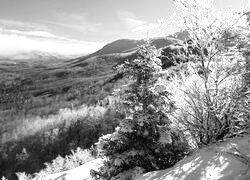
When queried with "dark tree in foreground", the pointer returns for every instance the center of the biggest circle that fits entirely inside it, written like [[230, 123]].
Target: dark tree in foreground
[[145, 140]]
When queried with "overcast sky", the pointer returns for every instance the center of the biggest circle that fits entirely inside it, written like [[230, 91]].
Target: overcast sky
[[81, 26]]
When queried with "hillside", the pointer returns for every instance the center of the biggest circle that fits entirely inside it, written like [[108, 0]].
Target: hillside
[[47, 85], [36, 56], [221, 161], [218, 162], [37, 76], [85, 96], [34, 90], [126, 46]]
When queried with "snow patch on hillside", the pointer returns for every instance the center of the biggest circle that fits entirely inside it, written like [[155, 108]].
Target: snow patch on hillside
[[216, 162]]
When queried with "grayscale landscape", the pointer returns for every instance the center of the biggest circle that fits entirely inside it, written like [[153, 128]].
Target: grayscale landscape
[[130, 90]]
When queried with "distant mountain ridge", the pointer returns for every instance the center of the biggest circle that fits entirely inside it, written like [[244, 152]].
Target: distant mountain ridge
[[127, 46], [42, 74], [116, 47], [37, 56]]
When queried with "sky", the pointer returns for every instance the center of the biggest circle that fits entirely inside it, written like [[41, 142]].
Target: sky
[[81, 26]]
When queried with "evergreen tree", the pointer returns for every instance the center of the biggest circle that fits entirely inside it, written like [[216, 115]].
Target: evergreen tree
[[144, 141]]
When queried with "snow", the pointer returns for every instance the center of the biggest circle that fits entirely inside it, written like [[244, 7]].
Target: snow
[[210, 163], [79, 173]]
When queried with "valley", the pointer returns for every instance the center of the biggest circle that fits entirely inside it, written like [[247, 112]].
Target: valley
[[44, 91]]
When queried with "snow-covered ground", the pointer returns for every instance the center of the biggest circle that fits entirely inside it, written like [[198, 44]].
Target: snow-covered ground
[[79, 173], [215, 162]]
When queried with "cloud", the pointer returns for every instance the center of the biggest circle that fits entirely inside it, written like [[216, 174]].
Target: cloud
[[135, 24], [18, 36], [79, 22], [129, 20], [14, 41], [146, 27], [20, 25], [42, 34], [75, 21]]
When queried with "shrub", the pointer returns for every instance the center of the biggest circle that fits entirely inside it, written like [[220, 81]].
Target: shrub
[[58, 135], [75, 159], [59, 164], [209, 90], [144, 140]]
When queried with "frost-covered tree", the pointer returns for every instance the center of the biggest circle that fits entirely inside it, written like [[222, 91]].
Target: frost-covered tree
[[209, 89], [145, 140]]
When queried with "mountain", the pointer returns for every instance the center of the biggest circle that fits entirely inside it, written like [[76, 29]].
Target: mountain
[[118, 46], [84, 79], [182, 35], [126, 47], [36, 56], [56, 75], [40, 84]]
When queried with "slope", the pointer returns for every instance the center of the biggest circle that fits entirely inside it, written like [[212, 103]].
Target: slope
[[222, 161], [216, 162]]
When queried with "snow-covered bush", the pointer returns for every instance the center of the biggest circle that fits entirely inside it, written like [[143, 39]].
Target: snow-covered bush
[[209, 89]]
